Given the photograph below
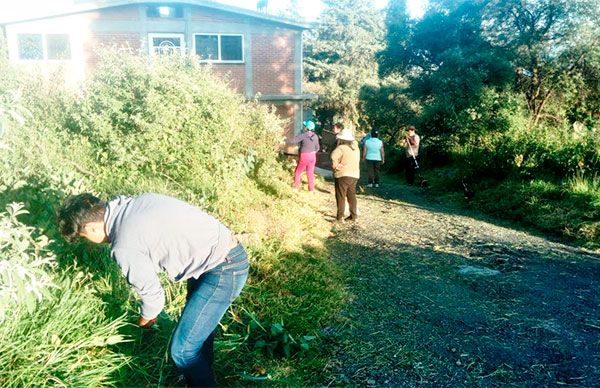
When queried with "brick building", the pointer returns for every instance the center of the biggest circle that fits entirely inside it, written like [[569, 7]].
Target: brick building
[[260, 54]]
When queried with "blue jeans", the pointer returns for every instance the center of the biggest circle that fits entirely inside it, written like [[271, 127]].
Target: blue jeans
[[209, 297]]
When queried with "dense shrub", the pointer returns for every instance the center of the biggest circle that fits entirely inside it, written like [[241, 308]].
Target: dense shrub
[[166, 126]]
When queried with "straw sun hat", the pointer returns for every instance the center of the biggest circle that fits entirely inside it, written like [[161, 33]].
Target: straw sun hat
[[345, 134]]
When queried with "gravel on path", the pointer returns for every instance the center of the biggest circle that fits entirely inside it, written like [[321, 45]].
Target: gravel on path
[[417, 317]]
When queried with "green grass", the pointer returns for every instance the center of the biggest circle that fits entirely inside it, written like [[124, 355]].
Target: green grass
[[568, 209], [66, 341]]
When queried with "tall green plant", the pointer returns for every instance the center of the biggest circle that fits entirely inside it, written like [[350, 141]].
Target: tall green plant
[[546, 37], [24, 263], [65, 341], [340, 58]]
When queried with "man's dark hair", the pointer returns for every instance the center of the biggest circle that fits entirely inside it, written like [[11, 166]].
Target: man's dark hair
[[77, 211], [339, 125], [374, 133]]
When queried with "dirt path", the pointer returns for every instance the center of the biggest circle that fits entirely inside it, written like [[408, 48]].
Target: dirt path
[[415, 319]]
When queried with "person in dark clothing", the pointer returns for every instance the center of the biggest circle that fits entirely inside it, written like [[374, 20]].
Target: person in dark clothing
[[154, 233], [412, 142], [308, 142]]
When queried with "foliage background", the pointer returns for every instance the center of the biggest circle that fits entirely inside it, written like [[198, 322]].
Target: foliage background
[[503, 93]]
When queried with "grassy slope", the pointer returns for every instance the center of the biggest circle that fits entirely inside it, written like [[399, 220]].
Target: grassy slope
[[568, 209]]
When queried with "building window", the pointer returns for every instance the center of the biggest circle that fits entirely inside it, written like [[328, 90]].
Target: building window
[[59, 46], [164, 44], [231, 48], [219, 47], [164, 11], [207, 47], [37, 47], [30, 46]]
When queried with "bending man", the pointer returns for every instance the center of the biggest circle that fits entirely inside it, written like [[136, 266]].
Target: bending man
[[154, 233]]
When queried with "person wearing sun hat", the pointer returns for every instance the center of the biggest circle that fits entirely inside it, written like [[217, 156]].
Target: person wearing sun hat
[[345, 160], [308, 142]]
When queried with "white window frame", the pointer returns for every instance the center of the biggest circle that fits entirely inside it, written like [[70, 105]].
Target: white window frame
[[153, 35], [44, 36], [243, 60]]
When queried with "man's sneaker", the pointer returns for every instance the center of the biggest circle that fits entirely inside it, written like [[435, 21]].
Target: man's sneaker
[[376, 184], [370, 185]]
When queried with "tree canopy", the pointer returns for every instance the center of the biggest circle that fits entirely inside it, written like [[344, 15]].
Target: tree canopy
[[340, 58]]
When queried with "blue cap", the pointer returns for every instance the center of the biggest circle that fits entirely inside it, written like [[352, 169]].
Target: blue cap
[[309, 124]]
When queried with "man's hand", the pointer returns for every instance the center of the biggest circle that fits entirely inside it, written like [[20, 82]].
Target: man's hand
[[146, 323]]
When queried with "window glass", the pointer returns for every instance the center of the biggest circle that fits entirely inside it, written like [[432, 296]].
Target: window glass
[[207, 47], [231, 48], [30, 46], [59, 46], [166, 45], [164, 11]]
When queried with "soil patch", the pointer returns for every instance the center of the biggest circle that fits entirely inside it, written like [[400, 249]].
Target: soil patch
[[414, 319]]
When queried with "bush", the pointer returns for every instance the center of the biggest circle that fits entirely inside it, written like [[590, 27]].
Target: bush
[[24, 262], [170, 127], [53, 331]]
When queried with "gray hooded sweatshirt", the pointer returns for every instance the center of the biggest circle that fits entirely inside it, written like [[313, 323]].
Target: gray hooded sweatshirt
[[154, 233]]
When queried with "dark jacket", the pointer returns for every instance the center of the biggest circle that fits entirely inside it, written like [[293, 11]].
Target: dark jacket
[[308, 142]]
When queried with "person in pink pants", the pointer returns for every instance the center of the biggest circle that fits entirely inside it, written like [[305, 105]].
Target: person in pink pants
[[308, 142]]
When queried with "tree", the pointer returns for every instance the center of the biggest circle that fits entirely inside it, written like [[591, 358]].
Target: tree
[[448, 61], [291, 11], [388, 108], [545, 36], [396, 53], [340, 58]]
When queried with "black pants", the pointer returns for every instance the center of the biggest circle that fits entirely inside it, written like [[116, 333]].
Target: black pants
[[410, 169], [345, 187], [373, 167]]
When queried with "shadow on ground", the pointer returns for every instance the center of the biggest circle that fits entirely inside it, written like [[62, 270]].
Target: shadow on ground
[[413, 319]]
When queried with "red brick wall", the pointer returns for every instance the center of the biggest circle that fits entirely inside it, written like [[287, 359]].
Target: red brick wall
[[233, 73], [272, 53], [273, 63], [99, 39], [288, 112]]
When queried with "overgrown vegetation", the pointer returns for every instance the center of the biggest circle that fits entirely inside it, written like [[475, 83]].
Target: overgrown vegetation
[[135, 127], [505, 95]]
